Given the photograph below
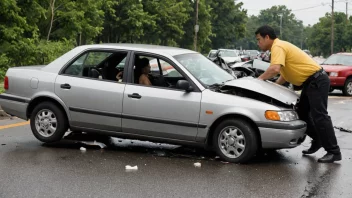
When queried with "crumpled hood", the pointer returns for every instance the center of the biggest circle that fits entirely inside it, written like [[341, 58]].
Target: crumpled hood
[[267, 88]]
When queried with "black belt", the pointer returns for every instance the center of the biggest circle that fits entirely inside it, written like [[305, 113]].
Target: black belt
[[314, 76]]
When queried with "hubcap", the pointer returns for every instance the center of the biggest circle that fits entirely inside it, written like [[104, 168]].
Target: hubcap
[[45, 123], [232, 142], [349, 88]]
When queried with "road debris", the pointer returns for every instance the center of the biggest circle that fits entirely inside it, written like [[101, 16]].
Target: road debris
[[131, 168], [343, 129], [83, 149], [95, 143], [197, 165]]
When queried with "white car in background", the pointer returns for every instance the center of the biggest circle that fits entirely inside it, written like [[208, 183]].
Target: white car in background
[[229, 56]]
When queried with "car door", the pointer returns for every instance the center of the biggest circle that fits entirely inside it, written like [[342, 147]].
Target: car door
[[160, 110], [94, 98]]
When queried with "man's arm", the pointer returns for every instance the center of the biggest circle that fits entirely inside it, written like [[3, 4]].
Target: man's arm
[[280, 81], [272, 71]]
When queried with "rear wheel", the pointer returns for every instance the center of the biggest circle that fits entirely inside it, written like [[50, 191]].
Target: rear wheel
[[347, 90], [48, 122], [235, 141]]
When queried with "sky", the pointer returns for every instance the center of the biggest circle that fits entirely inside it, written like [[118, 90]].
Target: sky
[[308, 11]]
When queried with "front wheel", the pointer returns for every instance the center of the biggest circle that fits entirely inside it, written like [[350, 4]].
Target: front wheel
[[331, 89], [48, 122], [235, 141], [347, 89]]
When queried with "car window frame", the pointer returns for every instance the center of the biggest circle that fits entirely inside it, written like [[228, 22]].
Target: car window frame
[[130, 75], [87, 51]]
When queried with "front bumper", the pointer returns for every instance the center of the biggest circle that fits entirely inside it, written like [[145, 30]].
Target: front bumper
[[337, 81], [14, 105], [280, 135]]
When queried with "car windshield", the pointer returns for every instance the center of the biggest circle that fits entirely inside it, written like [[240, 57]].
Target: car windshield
[[228, 53], [207, 72], [252, 52], [339, 59]]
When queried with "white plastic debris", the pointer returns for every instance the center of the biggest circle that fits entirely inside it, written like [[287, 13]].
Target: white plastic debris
[[131, 168], [128, 167], [95, 143], [83, 149], [197, 164]]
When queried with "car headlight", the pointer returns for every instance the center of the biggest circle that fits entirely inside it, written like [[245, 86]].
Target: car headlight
[[281, 115], [334, 74]]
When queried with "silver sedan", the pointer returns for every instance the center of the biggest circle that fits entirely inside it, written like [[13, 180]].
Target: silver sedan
[[189, 100]]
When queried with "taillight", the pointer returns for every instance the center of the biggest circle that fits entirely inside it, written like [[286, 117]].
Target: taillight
[[6, 83]]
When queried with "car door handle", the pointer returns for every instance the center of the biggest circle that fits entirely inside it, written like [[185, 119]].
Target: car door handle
[[135, 95], [65, 86]]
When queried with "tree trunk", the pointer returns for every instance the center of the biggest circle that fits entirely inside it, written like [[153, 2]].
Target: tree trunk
[[52, 5]]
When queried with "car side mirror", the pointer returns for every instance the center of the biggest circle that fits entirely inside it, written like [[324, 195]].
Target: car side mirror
[[184, 85]]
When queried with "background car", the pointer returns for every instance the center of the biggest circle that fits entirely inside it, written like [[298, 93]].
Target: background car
[[253, 54], [339, 68], [229, 56], [212, 54], [255, 68]]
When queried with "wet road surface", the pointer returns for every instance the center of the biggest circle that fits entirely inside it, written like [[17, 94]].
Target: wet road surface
[[29, 168]]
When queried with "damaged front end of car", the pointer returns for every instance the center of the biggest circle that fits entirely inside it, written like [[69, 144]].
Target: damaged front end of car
[[264, 91]]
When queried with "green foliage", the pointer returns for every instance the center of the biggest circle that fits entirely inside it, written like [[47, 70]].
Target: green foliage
[[35, 32], [292, 30], [2, 90], [228, 21], [319, 41], [205, 28], [4, 61]]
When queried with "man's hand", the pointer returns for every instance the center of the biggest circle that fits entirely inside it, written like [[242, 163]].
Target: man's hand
[[272, 71], [280, 81]]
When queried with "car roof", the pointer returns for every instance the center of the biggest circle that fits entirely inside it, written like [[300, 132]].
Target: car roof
[[172, 51], [345, 53], [228, 50]]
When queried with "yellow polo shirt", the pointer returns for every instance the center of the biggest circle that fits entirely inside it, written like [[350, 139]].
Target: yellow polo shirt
[[296, 65]]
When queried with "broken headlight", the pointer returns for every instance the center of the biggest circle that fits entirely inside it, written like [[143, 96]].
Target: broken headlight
[[281, 115]]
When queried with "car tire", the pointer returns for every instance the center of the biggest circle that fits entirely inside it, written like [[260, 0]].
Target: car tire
[[331, 89], [347, 89], [233, 135], [48, 122]]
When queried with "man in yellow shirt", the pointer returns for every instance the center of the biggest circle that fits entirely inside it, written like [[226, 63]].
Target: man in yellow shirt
[[297, 68]]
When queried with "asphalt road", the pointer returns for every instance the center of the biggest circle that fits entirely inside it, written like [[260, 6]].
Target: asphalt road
[[29, 168]]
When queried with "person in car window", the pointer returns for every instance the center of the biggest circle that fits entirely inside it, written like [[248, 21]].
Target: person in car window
[[297, 68], [144, 70]]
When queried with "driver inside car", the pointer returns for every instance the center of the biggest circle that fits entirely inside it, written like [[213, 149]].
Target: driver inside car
[[144, 70]]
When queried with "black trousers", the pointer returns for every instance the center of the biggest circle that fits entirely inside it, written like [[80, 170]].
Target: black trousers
[[312, 108]]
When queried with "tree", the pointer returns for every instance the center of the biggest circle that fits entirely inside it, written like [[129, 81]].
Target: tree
[[127, 21], [319, 40], [170, 17], [228, 21], [291, 28], [249, 41], [205, 27]]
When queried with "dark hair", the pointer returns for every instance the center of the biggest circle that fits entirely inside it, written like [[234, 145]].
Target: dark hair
[[266, 30], [144, 62]]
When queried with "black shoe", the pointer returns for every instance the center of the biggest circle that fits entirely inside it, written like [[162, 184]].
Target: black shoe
[[330, 158], [313, 148]]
